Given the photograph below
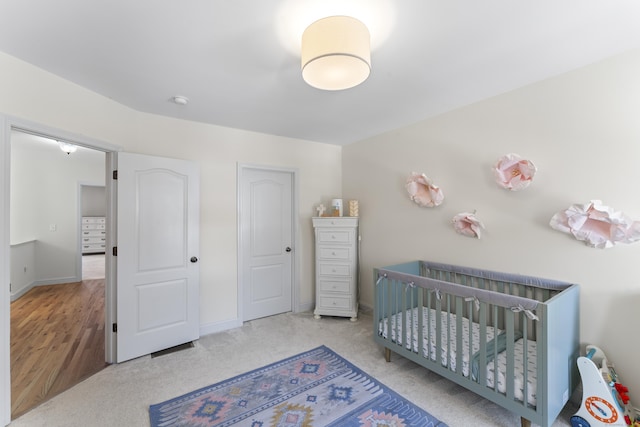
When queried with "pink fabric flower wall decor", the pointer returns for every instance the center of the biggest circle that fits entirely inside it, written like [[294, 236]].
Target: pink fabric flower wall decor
[[513, 172], [467, 224], [422, 190], [597, 225]]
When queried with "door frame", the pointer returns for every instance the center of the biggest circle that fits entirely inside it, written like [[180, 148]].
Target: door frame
[[295, 230], [7, 124]]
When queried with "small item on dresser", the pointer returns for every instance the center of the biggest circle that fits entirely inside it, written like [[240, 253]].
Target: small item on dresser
[[336, 205], [353, 208], [321, 209]]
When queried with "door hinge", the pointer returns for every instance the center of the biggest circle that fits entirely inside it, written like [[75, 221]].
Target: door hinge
[[114, 251], [114, 327], [115, 174]]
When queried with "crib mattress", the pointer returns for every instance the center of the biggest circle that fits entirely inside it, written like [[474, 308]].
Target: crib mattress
[[429, 347]]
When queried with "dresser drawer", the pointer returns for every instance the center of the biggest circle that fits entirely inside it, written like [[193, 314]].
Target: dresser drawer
[[334, 253], [93, 226], [334, 270], [94, 233], [86, 240], [335, 302], [93, 220], [335, 236], [335, 286]]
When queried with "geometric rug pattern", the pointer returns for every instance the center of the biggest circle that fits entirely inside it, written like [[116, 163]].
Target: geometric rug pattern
[[315, 388]]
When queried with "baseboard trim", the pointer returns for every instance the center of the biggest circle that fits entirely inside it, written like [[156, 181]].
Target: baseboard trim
[[214, 327], [16, 295], [21, 292], [303, 308]]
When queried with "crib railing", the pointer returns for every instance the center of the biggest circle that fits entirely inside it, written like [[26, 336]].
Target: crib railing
[[446, 312], [501, 308]]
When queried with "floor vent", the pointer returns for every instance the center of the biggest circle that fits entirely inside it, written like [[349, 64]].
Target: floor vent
[[172, 349]]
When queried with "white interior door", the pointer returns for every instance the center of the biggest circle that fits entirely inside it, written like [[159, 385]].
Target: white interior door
[[157, 241], [266, 225]]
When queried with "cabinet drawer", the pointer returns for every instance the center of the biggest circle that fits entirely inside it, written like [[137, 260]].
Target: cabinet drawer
[[333, 270], [93, 247], [93, 226], [343, 303], [337, 286], [93, 220], [335, 236], [334, 253], [94, 233], [93, 240]]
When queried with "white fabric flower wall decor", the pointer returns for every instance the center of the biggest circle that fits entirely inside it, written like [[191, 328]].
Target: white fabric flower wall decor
[[467, 224], [596, 225], [422, 191], [513, 172]]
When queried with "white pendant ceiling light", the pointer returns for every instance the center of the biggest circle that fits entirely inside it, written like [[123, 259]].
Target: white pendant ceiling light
[[336, 53], [66, 147]]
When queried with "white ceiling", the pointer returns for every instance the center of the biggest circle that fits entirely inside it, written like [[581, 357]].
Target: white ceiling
[[237, 60]]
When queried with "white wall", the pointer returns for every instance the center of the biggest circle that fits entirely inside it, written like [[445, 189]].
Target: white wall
[[581, 130], [93, 200], [23, 268], [219, 150], [44, 194], [35, 95]]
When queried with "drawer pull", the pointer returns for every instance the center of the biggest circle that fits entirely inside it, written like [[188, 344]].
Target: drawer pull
[[333, 253]]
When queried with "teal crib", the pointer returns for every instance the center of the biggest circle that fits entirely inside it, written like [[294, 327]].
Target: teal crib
[[510, 338]]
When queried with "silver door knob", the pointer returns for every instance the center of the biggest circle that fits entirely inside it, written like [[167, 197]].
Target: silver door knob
[[288, 249], [194, 259]]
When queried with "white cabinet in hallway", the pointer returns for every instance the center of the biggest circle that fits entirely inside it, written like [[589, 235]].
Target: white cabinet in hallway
[[336, 266], [93, 234]]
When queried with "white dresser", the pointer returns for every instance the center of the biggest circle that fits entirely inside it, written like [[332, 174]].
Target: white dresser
[[93, 234], [336, 266]]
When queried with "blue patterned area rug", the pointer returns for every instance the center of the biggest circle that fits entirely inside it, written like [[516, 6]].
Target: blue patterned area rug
[[317, 388]]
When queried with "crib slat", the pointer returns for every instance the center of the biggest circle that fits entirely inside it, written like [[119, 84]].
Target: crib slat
[[495, 349], [509, 374], [459, 335], [406, 334], [420, 309], [525, 360], [470, 312], [430, 343], [438, 320], [482, 365], [449, 327]]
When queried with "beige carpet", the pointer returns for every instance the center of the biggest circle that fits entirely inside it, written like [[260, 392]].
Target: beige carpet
[[120, 395]]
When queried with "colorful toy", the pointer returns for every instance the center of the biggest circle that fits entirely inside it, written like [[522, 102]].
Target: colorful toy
[[605, 401]]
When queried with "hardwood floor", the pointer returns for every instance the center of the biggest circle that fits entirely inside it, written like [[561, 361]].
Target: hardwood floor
[[57, 340]]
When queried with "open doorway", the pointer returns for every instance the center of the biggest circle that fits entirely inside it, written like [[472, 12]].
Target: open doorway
[[57, 300], [93, 232]]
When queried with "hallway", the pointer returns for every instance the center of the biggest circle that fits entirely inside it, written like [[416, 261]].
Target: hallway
[[57, 337]]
